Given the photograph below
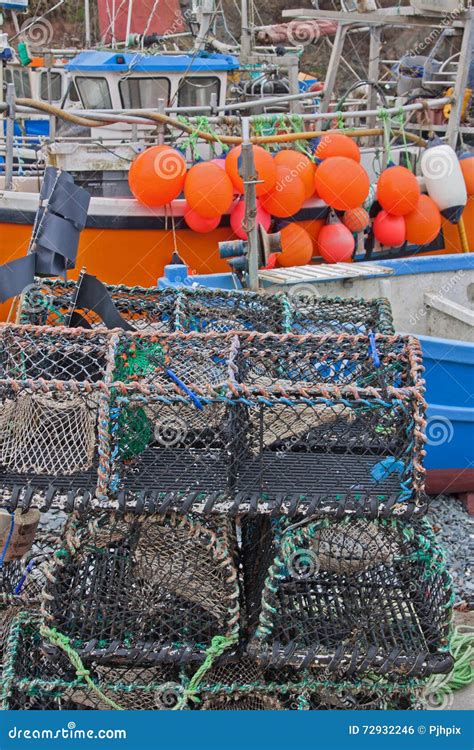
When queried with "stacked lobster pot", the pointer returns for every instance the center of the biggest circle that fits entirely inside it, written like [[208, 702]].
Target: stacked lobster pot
[[201, 515]]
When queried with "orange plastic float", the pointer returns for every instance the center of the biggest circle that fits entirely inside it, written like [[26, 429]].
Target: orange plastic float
[[300, 165], [199, 223], [389, 229], [467, 168], [424, 223], [336, 243], [264, 165], [356, 219], [288, 195], [296, 246], [208, 190], [156, 177], [342, 183], [398, 191], [337, 144]]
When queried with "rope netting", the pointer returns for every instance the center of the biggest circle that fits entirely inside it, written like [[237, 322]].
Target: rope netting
[[213, 310], [161, 586], [187, 421], [349, 596], [43, 671]]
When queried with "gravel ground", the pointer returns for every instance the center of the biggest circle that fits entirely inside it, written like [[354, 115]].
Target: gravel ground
[[455, 531]]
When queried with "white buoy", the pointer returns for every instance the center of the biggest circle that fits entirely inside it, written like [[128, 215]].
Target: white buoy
[[444, 181]]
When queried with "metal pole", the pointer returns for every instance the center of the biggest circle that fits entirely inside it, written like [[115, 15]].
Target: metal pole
[[10, 133], [129, 22], [245, 37], [87, 23], [250, 179]]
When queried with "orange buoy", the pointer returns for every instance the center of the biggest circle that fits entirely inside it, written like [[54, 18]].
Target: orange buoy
[[398, 191], [199, 223], [296, 246], [337, 144], [208, 190], [300, 165], [288, 195], [335, 243], [424, 223], [157, 176], [264, 165], [342, 183], [467, 168], [237, 218], [356, 219], [389, 229]]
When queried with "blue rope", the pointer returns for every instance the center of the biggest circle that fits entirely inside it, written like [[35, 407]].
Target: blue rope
[[7, 543], [22, 580], [185, 388]]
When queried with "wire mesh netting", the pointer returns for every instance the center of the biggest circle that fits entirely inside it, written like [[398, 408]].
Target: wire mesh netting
[[50, 399], [160, 587], [214, 421], [349, 596], [37, 677], [242, 421], [205, 310]]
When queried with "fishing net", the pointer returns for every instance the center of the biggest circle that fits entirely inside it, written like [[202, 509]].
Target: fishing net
[[43, 672], [36, 676], [160, 586], [212, 310], [348, 596], [242, 421], [50, 395]]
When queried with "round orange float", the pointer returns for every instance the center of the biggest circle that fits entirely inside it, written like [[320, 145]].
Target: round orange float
[[337, 144], [296, 246], [264, 165], [208, 190], [398, 191], [335, 243], [288, 195], [157, 176], [424, 223], [467, 168], [199, 223], [300, 165], [342, 183], [356, 219], [389, 229]]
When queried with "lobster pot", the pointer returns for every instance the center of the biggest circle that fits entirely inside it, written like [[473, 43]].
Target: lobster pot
[[169, 426], [318, 416], [348, 596], [313, 314], [357, 698], [39, 677], [50, 400], [157, 587], [241, 420], [210, 310]]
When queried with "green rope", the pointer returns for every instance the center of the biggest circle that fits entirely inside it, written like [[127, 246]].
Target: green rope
[[384, 116], [462, 649], [400, 118], [62, 642], [218, 645]]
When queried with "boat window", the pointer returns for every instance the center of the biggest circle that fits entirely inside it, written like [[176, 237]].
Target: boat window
[[143, 93], [94, 92], [21, 81], [196, 91], [72, 92], [56, 86]]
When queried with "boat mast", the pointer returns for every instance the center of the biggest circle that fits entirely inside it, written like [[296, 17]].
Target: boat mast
[[87, 22]]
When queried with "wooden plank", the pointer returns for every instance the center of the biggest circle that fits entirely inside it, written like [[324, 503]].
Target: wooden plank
[[401, 16]]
